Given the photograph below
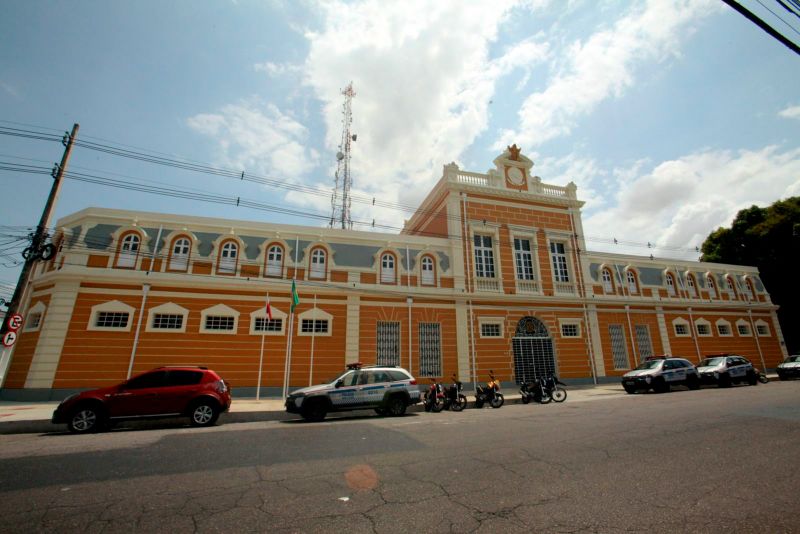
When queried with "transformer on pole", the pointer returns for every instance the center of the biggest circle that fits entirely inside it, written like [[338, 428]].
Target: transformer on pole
[[340, 200]]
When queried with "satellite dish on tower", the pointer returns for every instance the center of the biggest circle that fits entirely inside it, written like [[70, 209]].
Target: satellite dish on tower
[[355, 136], [339, 156]]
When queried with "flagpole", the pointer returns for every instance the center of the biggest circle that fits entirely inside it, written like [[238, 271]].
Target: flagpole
[[313, 335], [288, 359], [261, 356]]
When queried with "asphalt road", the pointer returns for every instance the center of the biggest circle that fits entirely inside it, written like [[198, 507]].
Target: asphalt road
[[688, 461]]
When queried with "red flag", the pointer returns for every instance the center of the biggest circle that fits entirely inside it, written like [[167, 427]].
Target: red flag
[[269, 310]]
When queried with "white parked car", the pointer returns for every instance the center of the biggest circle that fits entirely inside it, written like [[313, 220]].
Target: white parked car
[[790, 368]]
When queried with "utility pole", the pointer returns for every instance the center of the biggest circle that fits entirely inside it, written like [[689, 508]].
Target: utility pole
[[37, 242]]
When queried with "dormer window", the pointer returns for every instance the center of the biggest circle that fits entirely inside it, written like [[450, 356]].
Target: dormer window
[[179, 255], [128, 251], [712, 289], [275, 260], [428, 274], [608, 284], [388, 272], [227, 258], [690, 283], [670, 285], [633, 287], [318, 258], [731, 287]]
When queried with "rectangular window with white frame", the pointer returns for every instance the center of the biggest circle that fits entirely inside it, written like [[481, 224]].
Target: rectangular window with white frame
[[484, 256], [491, 329], [762, 329], [167, 321], [265, 324], [570, 329], [558, 255], [112, 319], [219, 323], [314, 326]]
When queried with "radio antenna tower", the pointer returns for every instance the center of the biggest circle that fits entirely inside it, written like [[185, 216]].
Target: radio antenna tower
[[340, 213]]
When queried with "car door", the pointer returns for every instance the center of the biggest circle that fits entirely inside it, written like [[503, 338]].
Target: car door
[[179, 389], [345, 396], [737, 368], [139, 396], [375, 388], [674, 371]]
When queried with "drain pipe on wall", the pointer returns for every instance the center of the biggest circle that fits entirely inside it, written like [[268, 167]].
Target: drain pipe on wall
[[467, 285], [409, 301], [145, 291]]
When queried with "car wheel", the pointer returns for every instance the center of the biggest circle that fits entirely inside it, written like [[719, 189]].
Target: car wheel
[[661, 386], [693, 382], [203, 413], [781, 376], [85, 419], [397, 406], [380, 411], [752, 379], [314, 411], [629, 390]]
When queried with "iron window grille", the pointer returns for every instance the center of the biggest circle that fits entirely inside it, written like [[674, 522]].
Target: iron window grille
[[643, 342], [619, 348], [219, 322], [490, 330], [430, 349], [263, 324], [168, 321], [570, 330], [388, 348], [112, 320]]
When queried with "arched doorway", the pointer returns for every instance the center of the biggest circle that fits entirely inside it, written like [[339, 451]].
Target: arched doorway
[[533, 350]]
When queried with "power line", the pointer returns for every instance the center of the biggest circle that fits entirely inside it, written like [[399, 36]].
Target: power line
[[778, 17], [763, 25]]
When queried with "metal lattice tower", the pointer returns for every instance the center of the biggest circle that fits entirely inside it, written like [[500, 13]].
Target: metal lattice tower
[[340, 213]]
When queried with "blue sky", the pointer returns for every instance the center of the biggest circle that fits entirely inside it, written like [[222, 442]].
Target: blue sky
[[669, 115]]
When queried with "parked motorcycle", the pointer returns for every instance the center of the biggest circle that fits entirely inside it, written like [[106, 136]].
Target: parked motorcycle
[[433, 400], [453, 398], [489, 393], [543, 390], [762, 376]]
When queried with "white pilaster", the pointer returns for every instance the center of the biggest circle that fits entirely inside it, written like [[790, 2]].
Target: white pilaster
[[597, 346], [353, 317], [662, 330]]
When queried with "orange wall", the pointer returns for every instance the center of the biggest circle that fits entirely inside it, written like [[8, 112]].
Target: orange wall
[[23, 354]]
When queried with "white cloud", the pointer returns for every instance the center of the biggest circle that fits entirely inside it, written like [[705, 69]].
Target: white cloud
[[423, 79], [277, 69], [258, 138], [604, 66], [679, 202], [792, 112]]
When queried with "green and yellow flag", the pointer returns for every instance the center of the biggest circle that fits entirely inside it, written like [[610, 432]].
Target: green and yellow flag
[[295, 297]]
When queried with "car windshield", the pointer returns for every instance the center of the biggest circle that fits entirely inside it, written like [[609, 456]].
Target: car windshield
[[649, 364], [794, 358], [712, 362]]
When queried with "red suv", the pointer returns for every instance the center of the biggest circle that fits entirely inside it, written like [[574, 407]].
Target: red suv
[[196, 392]]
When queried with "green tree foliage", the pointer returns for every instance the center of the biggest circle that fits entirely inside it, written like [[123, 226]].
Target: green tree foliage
[[767, 238]]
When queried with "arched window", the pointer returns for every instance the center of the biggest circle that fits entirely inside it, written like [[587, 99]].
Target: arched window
[[731, 287], [317, 264], [712, 289], [387, 268], [692, 285], [751, 289], [632, 285], [128, 251], [428, 274], [608, 285], [275, 261], [179, 255], [670, 285], [227, 257]]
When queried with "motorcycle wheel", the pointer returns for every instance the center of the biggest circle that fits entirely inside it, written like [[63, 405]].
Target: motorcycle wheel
[[498, 400], [545, 399], [525, 398], [478, 403], [559, 395], [764, 379], [438, 406], [459, 404]]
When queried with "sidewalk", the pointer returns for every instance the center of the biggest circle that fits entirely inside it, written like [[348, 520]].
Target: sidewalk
[[27, 418]]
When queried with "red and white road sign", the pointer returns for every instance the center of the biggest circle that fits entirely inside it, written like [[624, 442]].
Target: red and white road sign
[[15, 322], [9, 339]]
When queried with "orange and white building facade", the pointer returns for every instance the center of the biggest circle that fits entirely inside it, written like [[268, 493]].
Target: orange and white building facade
[[492, 272]]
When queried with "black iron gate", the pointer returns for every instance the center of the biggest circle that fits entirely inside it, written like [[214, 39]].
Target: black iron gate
[[533, 350]]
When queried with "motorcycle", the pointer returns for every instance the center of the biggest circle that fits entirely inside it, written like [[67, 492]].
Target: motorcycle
[[762, 376], [433, 400], [490, 393], [543, 390], [453, 398]]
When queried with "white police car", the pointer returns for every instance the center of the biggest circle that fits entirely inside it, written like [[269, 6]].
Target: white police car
[[790, 368], [727, 369], [387, 390], [660, 373]]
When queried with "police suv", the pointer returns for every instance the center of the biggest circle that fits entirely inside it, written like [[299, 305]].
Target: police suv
[[726, 369], [660, 373], [386, 389]]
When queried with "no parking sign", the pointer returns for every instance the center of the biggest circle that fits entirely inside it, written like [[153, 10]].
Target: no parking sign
[[9, 338], [15, 322]]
